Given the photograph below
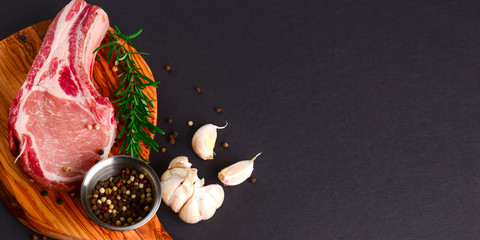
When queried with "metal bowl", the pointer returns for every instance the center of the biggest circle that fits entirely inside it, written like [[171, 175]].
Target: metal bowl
[[112, 167]]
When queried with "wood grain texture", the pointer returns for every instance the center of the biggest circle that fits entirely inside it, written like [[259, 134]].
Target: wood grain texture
[[21, 196]]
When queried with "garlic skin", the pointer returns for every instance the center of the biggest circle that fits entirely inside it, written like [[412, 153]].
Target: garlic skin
[[237, 173], [186, 194], [203, 141]]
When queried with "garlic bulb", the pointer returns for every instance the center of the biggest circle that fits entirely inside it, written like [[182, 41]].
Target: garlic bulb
[[186, 194], [203, 140], [237, 173]]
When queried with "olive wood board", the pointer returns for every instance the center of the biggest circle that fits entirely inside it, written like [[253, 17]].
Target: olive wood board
[[22, 197]]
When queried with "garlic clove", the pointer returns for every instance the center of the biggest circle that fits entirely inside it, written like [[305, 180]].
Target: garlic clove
[[185, 191], [168, 188], [203, 204], [211, 198], [170, 181], [203, 141], [237, 173], [179, 162], [190, 213]]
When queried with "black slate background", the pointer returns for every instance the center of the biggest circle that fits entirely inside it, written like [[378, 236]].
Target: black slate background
[[365, 111]]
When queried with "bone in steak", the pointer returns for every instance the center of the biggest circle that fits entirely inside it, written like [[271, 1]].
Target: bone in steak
[[48, 118]]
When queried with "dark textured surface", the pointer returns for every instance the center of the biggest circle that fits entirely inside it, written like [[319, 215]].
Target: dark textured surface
[[366, 113]]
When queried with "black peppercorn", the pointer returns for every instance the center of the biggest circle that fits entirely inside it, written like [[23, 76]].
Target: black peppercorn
[[44, 193], [100, 152], [60, 201]]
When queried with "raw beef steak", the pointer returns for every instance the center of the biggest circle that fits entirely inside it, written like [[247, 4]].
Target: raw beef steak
[[49, 118]]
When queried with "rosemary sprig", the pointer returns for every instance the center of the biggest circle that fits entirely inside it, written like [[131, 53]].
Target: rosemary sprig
[[135, 107]]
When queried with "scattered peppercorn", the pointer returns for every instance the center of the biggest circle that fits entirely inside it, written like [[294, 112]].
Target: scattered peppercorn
[[44, 193], [253, 180], [60, 201], [172, 141], [34, 237], [66, 169], [72, 194], [100, 152], [96, 161], [115, 144], [190, 123], [168, 68], [198, 90], [169, 120], [163, 149], [225, 144], [218, 109], [175, 134]]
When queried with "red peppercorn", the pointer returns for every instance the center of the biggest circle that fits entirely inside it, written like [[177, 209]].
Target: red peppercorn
[[132, 188], [105, 208], [119, 184], [122, 172], [144, 181]]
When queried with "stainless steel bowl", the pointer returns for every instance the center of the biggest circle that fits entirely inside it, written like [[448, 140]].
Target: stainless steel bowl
[[111, 167]]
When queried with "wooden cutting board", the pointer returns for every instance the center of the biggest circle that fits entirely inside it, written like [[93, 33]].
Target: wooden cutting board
[[22, 197]]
